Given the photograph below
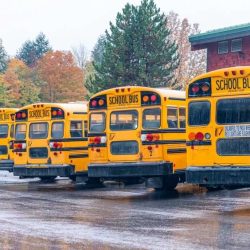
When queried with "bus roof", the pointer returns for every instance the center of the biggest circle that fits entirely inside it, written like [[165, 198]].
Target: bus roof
[[165, 92], [69, 107], [8, 110]]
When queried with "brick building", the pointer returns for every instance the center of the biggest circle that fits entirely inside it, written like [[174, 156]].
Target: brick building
[[226, 47]]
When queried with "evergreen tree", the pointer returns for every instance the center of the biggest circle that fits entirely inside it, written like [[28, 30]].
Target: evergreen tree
[[97, 56], [41, 45], [3, 58], [137, 50], [32, 51]]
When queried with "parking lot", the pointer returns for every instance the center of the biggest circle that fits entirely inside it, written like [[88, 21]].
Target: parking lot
[[61, 215]]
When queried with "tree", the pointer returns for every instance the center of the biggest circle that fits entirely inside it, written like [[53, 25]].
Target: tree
[[32, 51], [63, 80], [17, 84], [80, 56], [3, 58], [137, 50], [4, 99], [96, 58], [192, 63]]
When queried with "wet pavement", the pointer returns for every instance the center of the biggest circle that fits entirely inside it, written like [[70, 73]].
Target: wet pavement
[[61, 215]]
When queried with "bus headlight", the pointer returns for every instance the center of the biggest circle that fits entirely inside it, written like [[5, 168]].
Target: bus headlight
[[207, 136], [103, 139]]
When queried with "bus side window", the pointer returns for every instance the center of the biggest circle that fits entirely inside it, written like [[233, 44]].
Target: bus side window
[[85, 128], [172, 117], [76, 129], [182, 118]]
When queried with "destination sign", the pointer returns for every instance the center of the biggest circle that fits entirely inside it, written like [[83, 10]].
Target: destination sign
[[5, 117], [230, 85], [39, 113], [120, 100], [237, 131]]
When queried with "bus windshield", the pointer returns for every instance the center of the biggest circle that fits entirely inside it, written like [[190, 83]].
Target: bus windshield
[[97, 122], [124, 120]]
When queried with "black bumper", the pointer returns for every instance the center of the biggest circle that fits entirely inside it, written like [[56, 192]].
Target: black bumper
[[6, 165], [218, 175], [132, 169], [43, 170]]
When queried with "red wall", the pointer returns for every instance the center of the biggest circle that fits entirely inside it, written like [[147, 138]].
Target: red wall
[[230, 59]]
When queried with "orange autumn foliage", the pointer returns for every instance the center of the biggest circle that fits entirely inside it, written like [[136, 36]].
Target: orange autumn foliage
[[62, 79]]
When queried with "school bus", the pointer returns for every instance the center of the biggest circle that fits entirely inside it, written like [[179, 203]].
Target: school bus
[[7, 118], [51, 140], [218, 128], [138, 133]]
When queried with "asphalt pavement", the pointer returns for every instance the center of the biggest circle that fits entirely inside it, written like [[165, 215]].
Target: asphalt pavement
[[62, 215]]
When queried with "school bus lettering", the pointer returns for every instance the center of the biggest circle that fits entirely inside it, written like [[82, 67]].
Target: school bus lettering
[[227, 84], [246, 83], [40, 113], [232, 84], [123, 99], [4, 117]]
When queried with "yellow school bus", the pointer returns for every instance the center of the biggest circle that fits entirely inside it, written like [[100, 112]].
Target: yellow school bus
[[7, 118], [51, 140], [138, 132], [218, 128]]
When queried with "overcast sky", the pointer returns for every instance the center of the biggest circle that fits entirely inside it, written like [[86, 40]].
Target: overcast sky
[[69, 22]]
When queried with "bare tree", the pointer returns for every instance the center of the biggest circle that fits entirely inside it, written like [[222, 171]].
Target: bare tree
[[192, 63], [80, 55]]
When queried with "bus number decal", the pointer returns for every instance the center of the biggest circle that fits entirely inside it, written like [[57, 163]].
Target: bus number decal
[[41, 113], [123, 99], [237, 131]]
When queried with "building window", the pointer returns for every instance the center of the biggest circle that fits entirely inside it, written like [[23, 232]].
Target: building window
[[223, 47], [236, 45]]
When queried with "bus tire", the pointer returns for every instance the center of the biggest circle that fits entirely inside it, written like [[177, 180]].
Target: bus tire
[[94, 182], [169, 183], [133, 181], [47, 178], [73, 178]]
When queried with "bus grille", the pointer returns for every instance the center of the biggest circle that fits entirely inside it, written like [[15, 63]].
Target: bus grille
[[234, 146], [124, 148], [3, 150], [38, 153]]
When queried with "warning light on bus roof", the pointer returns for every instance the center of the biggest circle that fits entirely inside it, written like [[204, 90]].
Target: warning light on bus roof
[[101, 102], [94, 103], [153, 98]]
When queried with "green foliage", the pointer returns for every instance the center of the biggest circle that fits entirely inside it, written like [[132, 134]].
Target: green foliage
[[4, 100], [32, 51], [3, 58], [136, 51], [29, 93]]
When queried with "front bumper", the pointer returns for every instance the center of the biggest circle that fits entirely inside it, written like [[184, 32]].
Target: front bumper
[[218, 175], [35, 170], [130, 169], [6, 165]]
